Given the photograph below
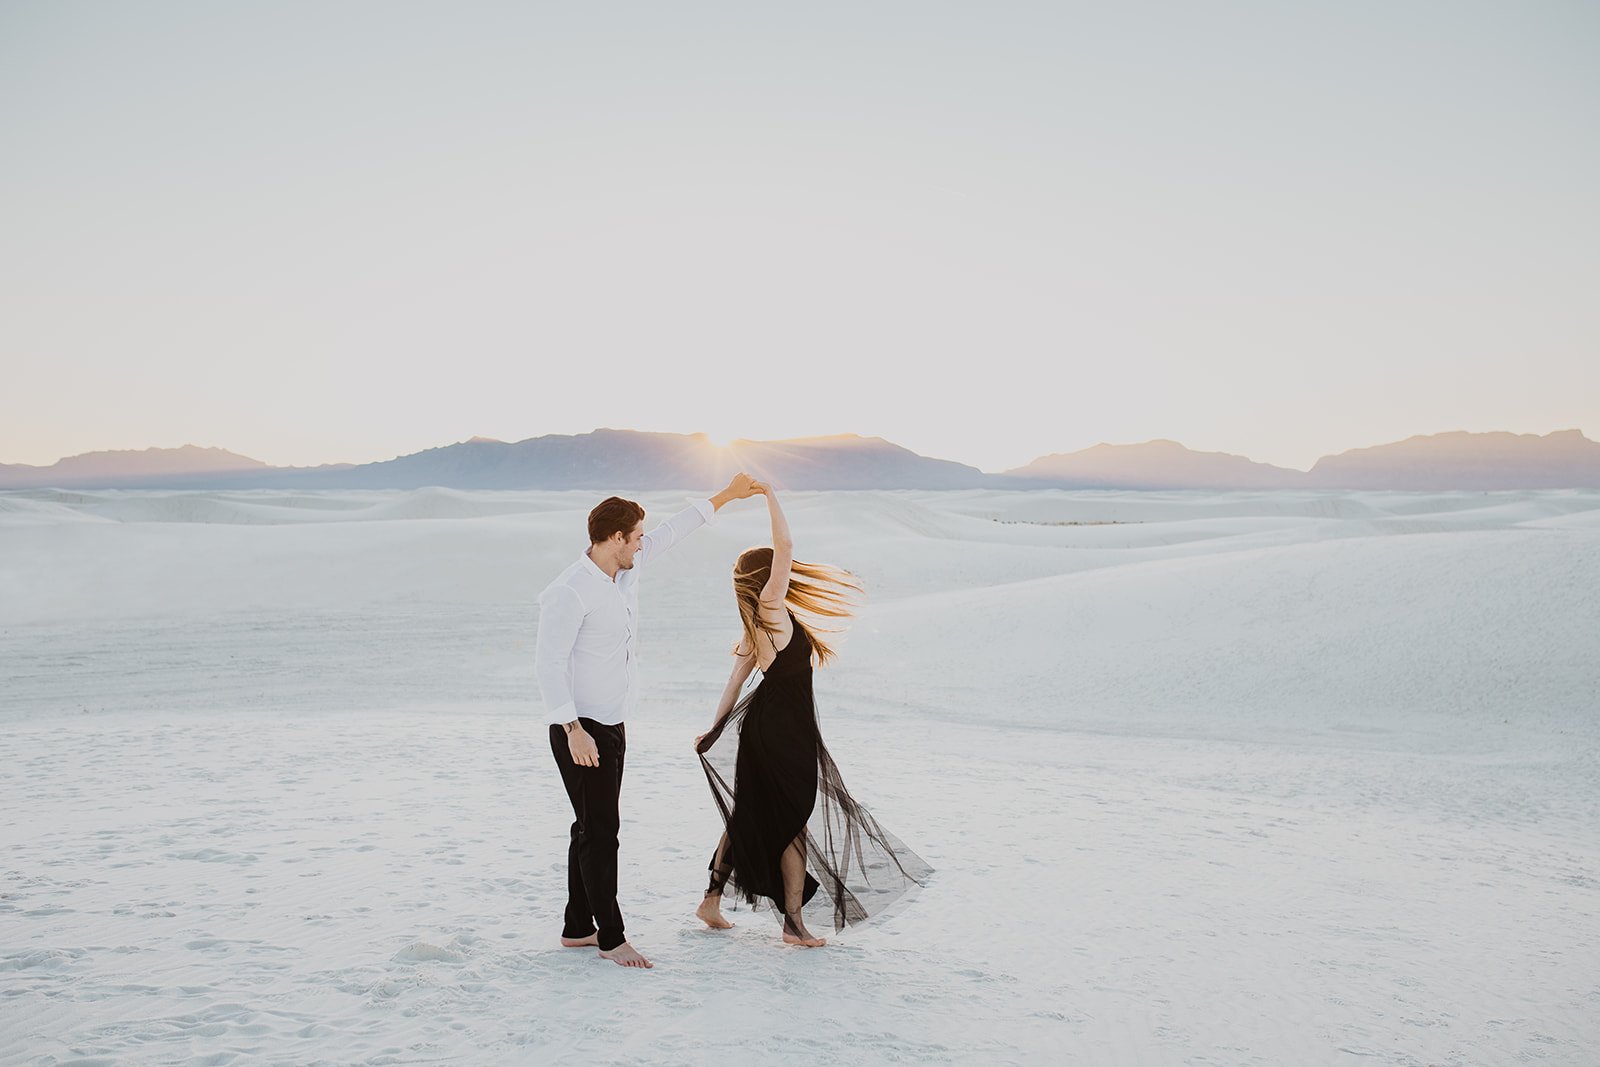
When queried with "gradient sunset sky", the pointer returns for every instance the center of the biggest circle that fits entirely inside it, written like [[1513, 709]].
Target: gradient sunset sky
[[320, 232]]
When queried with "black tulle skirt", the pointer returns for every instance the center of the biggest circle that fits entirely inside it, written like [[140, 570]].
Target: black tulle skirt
[[784, 787]]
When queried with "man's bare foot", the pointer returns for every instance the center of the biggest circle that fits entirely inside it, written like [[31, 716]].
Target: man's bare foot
[[580, 942], [624, 955], [710, 913]]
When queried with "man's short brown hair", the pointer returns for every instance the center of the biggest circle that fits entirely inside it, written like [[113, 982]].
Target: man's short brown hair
[[613, 515]]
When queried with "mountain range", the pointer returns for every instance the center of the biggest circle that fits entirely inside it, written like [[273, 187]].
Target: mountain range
[[637, 460]]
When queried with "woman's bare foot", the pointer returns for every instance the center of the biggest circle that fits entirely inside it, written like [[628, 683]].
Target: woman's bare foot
[[710, 913], [580, 942], [624, 955], [795, 933], [804, 941]]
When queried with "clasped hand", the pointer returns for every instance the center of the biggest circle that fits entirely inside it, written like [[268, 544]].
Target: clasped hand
[[743, 486]]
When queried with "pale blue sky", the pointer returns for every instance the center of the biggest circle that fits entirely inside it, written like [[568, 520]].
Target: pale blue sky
[[340, 232]]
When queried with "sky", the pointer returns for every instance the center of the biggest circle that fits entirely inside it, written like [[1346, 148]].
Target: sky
[[313, 232]]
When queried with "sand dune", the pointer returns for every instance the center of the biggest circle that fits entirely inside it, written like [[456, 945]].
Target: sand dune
[[1206, 778]]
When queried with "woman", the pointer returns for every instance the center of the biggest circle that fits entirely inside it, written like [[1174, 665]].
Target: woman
[[782, 767]]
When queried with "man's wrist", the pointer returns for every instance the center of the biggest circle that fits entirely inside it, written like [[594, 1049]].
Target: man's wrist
[[571, 726], [720, 499]]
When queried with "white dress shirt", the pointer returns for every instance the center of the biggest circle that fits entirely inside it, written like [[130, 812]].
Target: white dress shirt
[[586, 657]]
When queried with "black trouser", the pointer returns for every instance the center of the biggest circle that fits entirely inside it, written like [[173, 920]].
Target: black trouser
[[592, 856]]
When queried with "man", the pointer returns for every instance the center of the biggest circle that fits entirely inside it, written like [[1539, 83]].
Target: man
[[587, 665]]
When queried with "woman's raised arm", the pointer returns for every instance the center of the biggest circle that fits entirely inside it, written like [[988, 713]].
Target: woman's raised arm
[[777, 587]]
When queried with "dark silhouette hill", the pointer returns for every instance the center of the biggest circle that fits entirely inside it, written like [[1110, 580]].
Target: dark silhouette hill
[[631, 459], [1156, 464], [1562, 460], [623, 458], [147, 466]]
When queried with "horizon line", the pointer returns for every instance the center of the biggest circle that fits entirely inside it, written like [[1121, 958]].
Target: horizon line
[[734, 442]]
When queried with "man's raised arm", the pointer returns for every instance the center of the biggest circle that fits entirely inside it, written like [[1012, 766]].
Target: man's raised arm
[[691, 518]]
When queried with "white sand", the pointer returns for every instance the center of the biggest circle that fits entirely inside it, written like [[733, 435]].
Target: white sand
[[1294, 778]]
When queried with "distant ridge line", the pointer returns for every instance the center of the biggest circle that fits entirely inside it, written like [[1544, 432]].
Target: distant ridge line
[[617, 460]]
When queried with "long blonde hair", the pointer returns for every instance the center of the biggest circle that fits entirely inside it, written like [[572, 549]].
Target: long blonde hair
[[815, 589]]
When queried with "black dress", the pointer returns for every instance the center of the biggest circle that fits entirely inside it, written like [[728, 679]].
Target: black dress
[[786, 786]]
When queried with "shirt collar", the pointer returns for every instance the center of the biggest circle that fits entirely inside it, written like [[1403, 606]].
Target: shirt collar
[[594, 568]]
